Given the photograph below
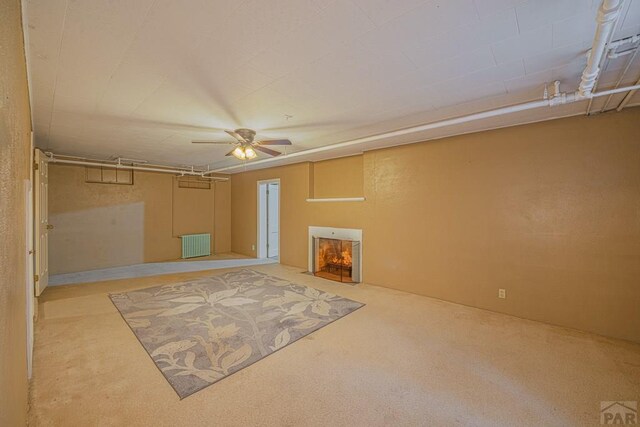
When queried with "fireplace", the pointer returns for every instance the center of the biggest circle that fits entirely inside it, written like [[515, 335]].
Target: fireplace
[[336, 259], [336, 253]]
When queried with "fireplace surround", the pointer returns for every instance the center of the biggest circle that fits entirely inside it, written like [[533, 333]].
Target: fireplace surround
[[336, 254]]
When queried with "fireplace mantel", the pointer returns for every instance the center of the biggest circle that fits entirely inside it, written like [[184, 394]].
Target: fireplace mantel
[[333, 233]]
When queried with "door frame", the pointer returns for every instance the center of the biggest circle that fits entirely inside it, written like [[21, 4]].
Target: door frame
[[30, 284], [262, 227], [41, 228]]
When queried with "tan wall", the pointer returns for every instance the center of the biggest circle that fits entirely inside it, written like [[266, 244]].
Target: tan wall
[[222, 217], [15, 128], [105, 225], [338, 178], [547, 211]]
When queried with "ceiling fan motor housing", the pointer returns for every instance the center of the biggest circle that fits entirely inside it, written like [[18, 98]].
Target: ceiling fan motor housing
[[246, 134]]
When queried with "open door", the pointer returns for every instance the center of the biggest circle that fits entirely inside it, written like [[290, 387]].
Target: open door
[[268, 238], [41, 220], [273, 219]]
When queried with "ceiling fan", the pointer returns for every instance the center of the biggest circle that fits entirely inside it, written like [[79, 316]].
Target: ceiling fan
[[246, 146]]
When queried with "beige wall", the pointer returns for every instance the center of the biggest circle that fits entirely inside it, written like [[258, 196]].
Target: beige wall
[[105, 225], [548, 211], [15, 128], [341, 177], [222, 217]]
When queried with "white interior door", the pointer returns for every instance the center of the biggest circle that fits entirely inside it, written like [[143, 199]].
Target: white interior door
[[41, 221], [273, 220]]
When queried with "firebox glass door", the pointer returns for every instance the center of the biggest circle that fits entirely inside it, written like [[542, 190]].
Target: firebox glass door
[[334, 259]]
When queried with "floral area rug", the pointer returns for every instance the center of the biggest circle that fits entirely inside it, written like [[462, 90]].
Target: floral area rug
[[200, 331]]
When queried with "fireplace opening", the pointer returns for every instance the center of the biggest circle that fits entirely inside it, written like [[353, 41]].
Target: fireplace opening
[[337, 259]]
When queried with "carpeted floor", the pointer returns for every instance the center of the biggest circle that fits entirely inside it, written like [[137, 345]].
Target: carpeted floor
[[401, 360], [202, 330]]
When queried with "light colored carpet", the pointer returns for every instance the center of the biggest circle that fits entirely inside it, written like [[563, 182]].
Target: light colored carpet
[[402, 360], [200, 331]]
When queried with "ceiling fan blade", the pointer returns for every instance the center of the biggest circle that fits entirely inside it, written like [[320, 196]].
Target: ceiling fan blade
[[266, 150], [235, 135], [275, 142], [212, 142]]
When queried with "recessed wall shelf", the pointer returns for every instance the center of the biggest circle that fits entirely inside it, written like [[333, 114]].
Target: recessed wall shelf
[[338, 199]]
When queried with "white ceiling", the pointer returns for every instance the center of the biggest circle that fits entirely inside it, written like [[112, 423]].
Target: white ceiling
[[142, 78]]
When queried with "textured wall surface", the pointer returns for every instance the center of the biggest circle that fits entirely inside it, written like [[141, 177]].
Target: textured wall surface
[[548, 211], [341, 177], [15, 128], [115, 225], [97, 237], [222, 217]]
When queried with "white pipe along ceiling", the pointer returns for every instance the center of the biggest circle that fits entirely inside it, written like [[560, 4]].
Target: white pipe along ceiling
[[605, 57], [627, 98], [633, 52], [608, 14], [53, 158]]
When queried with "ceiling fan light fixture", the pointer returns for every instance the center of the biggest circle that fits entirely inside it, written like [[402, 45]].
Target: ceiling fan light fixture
[[245, 145], [239, 153], [250, 153]]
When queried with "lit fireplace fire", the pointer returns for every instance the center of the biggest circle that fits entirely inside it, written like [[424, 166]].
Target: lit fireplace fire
[[345, 259], [334, 259]]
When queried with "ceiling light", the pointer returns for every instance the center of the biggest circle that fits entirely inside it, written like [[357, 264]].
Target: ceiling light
[[250, 153], [239, 153]]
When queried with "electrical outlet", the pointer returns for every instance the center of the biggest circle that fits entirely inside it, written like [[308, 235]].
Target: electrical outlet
[[502, 293], [253, 247]]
